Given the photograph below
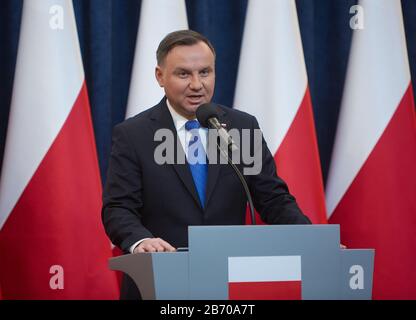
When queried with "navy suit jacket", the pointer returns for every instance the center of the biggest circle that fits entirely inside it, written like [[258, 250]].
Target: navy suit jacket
[[143, 199]]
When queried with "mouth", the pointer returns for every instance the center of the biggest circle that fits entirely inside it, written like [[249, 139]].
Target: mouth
[[195, 98]]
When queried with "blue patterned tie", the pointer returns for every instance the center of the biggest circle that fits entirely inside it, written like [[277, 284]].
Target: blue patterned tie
[[197, 159]]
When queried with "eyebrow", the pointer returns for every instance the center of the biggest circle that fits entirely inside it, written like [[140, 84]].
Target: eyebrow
[[179, 69]]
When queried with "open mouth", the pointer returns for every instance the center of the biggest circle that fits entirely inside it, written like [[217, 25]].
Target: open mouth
[[195, 98]]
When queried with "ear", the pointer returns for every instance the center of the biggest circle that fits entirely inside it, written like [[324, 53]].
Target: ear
[[159, 76]]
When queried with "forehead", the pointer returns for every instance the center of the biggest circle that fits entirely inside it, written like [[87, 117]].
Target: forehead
[[197, 54]]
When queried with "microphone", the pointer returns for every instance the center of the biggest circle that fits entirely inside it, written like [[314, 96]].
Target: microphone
[[208, 116]]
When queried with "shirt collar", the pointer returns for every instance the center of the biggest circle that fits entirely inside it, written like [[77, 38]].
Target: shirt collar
[[178, 120]]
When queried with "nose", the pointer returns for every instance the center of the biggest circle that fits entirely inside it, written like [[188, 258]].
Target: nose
[[196, 83]]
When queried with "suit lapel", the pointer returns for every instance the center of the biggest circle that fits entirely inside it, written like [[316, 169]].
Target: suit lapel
[[163, 120]]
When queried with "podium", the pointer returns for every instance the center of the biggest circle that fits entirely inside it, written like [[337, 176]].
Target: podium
[[254, 262]]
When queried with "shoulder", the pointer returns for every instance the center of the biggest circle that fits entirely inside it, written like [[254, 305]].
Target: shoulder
[[235, 112], [237, 117], [137, 120], [140, 121]]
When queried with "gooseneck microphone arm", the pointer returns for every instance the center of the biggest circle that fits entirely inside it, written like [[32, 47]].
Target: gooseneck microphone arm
[[243, 182], [213, 123], [208, 116]]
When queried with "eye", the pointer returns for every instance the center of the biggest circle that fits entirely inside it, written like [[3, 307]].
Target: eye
[[182, 74], [204, 73]]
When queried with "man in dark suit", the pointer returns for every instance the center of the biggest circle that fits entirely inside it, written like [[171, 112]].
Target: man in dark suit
[[147, 206]]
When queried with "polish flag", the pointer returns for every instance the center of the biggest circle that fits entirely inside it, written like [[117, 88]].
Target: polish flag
[[372, 179], [265, 278], [157, 19], [52, 243], [272, 85]]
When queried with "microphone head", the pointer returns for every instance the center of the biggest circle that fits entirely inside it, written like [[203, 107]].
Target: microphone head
[[205, 112]]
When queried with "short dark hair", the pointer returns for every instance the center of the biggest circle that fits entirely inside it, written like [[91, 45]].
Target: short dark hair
[[180, 38]]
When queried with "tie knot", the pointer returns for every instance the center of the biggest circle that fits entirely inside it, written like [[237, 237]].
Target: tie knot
[[192, 124]]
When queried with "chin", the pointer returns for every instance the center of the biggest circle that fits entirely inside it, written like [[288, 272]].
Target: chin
[[192, 108]]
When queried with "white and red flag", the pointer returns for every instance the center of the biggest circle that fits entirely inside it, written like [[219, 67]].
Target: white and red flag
[[52, 243], [265, 278], [372, 179], [272, 85], [157, 19]]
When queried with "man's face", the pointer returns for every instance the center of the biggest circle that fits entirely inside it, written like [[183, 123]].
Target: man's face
[[188, 77]]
